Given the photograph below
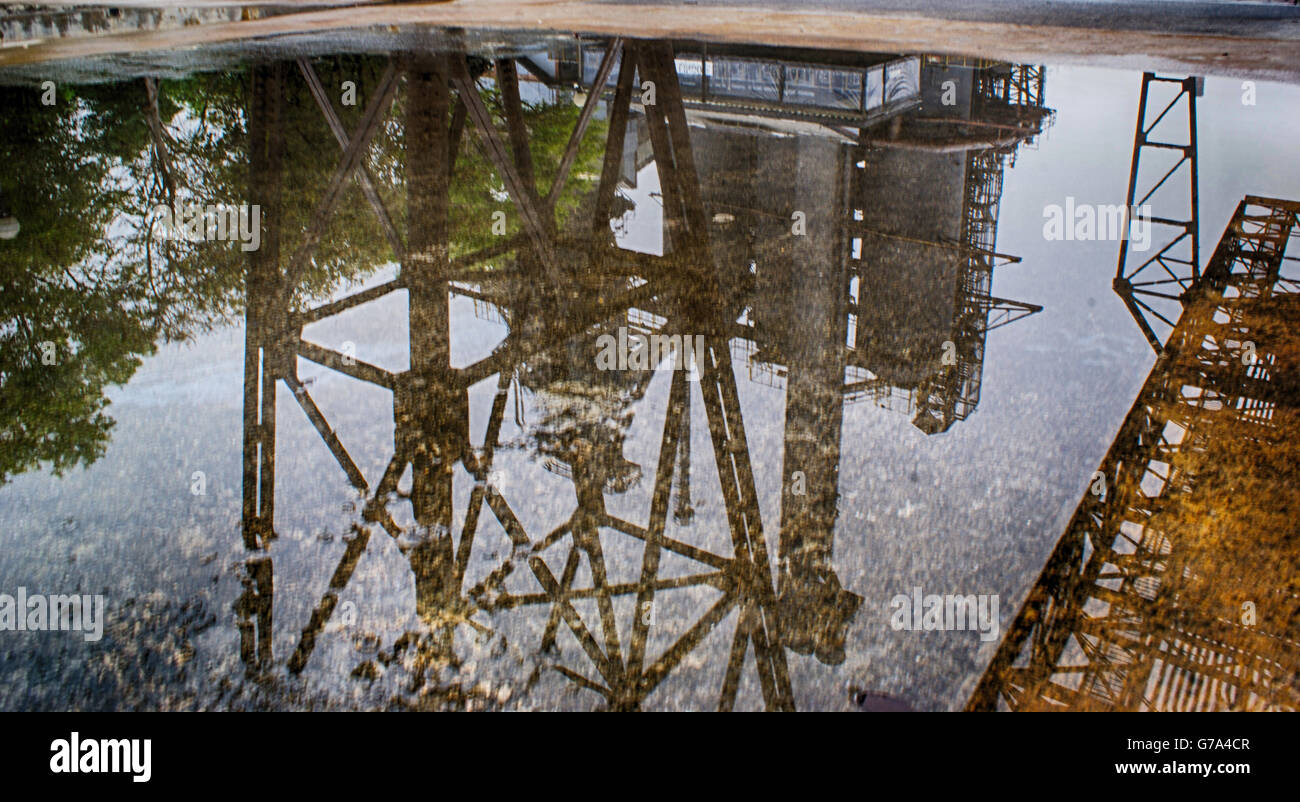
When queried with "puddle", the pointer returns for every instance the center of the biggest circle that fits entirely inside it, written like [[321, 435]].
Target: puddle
[[409, 369]]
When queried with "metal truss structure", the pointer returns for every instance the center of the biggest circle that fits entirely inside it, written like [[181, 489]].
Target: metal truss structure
[[1008, 96], [430, 406], [1154, 288], [1008, 100], [953, 393], [1149, 600], [555, 289], [1017, 89]]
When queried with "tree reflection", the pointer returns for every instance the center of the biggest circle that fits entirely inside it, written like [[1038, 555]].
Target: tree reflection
[[74, 316], [89, 287]]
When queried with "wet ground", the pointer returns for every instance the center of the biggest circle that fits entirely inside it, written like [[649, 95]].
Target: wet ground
[[758, 380]]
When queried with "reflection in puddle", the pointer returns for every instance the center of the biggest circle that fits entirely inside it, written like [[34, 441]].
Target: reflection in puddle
[[551, 363]]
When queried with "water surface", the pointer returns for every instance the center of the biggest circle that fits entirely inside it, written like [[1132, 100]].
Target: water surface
[[662, 415]]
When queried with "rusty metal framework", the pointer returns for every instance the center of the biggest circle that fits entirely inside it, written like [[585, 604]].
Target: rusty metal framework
[[1146, 602]]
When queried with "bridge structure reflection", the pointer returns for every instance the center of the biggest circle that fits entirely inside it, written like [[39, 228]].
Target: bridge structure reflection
[[558, 287]]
